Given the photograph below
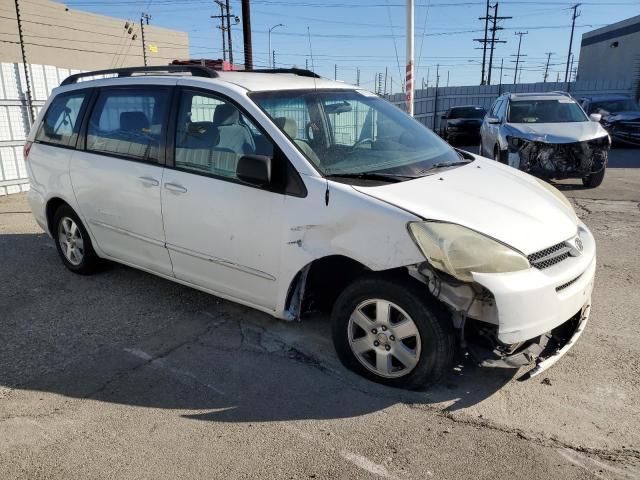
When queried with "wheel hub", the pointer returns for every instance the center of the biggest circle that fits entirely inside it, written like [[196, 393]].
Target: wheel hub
[[383, 339]]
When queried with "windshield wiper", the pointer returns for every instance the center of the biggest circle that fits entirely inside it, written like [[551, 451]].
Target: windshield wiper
[[385, 177], [435, 166]]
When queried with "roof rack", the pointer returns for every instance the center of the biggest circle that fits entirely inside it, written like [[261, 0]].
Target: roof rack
[[195, 70], [296, 71]]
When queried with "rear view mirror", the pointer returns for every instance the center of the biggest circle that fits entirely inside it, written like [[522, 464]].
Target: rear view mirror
[[595, 117], [491, 119], [254, 169]]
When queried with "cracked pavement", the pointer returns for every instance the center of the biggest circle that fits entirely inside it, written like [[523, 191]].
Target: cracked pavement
[[125, 375]]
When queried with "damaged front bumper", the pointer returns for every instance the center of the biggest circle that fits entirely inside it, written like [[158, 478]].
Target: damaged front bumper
[[524, 318], [540, 353], [558, 161]]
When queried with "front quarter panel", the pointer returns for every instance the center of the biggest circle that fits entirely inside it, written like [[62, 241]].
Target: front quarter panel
[[351, 224]]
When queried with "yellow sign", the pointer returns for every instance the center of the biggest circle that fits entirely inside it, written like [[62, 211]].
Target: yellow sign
[[153, 48]]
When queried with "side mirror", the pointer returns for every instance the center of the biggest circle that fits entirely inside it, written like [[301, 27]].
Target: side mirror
[[254, 169], [492, 120], [595, 117]]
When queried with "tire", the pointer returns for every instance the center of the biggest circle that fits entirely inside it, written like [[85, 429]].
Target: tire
[[417, 360], [500, 156], [73, 242], [594, 180]]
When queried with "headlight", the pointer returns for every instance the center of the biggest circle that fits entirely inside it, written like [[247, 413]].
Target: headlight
[[459, 251], [559, 195], [514, 143]]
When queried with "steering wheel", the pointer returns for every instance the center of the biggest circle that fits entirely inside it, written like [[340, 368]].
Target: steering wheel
[[362, 142]]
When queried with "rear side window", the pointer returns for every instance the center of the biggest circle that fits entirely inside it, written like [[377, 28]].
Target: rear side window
[[61, 122], [129, 123]]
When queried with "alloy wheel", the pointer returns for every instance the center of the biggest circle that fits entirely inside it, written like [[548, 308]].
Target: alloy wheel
[[71, 242], [384, 338]]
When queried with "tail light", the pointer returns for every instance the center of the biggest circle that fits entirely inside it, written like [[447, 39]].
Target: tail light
[[26, 149]]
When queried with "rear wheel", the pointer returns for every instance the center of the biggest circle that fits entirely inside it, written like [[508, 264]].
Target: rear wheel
[[73, 242], [388, 332], [594, 180]]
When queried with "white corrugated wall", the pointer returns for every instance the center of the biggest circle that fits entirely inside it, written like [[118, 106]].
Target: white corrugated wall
[[14, 118]]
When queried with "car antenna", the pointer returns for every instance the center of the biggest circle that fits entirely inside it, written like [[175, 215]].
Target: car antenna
[[313, 66]]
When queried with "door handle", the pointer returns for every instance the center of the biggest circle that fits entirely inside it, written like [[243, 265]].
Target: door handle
[[149, 182], [174, 187]]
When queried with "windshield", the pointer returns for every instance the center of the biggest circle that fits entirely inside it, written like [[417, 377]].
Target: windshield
[[347, 132], [546, 111], [612, 106], [469, 112]]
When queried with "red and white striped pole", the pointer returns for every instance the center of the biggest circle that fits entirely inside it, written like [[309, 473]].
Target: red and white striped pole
[[409, 90]]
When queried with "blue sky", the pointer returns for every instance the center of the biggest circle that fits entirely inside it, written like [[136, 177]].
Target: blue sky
[[366, 34]]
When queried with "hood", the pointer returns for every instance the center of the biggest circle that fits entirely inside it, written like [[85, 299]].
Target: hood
[[494, 199], [565, 132], [630, 116]]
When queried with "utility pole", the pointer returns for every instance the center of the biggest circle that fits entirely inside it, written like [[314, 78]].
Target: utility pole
[[409, 69], [484, 43], [380, 83], [515, 73], [494, 40], [228, 17], [500, 83], [575, 15], [546, 69], [144, 17], [494, 27], [385, 79], [30, 113], [447, 78], [222, 28], [246, 35], [435, 98], [273, 59], [335, 71], [358, 76], [271, 30], [428, 68], [306, 64], [557, 77]]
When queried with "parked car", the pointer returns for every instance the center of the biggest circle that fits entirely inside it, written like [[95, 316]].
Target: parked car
[[547, 135], [462, 123], [288, 193], [620, 116]]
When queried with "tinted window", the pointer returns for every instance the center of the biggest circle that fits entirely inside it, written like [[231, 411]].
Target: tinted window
[[612, 106], [467, 112], [129, 122], [60, 124], [212, 134]]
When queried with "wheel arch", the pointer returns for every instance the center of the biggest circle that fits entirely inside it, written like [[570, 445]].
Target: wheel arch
[[53, 204], [317, 285]]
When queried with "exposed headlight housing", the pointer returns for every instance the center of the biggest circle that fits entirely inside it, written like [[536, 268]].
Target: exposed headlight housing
[[559, 195], [458, 250], [515, 143]]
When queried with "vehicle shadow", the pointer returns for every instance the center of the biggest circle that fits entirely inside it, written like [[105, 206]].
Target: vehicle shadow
[[127, 337]]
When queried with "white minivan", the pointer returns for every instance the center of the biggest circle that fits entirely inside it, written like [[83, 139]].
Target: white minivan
[[291, 193]]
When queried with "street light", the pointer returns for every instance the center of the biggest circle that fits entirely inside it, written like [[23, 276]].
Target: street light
[[270, 55]]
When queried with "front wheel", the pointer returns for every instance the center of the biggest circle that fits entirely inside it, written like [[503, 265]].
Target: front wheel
[[594, 180], [391, 333]]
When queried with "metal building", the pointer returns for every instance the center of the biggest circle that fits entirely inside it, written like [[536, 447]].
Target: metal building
[[612, 53]]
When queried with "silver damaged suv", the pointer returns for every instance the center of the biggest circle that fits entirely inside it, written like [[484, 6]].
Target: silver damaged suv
[[547, 135]]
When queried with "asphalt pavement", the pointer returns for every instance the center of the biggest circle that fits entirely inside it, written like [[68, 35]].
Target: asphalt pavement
[[124, 375]]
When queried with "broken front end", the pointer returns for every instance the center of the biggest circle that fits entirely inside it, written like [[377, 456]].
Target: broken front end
[[558, 160]]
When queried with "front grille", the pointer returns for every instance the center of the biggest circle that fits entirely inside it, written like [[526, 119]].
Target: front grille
[[568, 284], [549, 256]]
